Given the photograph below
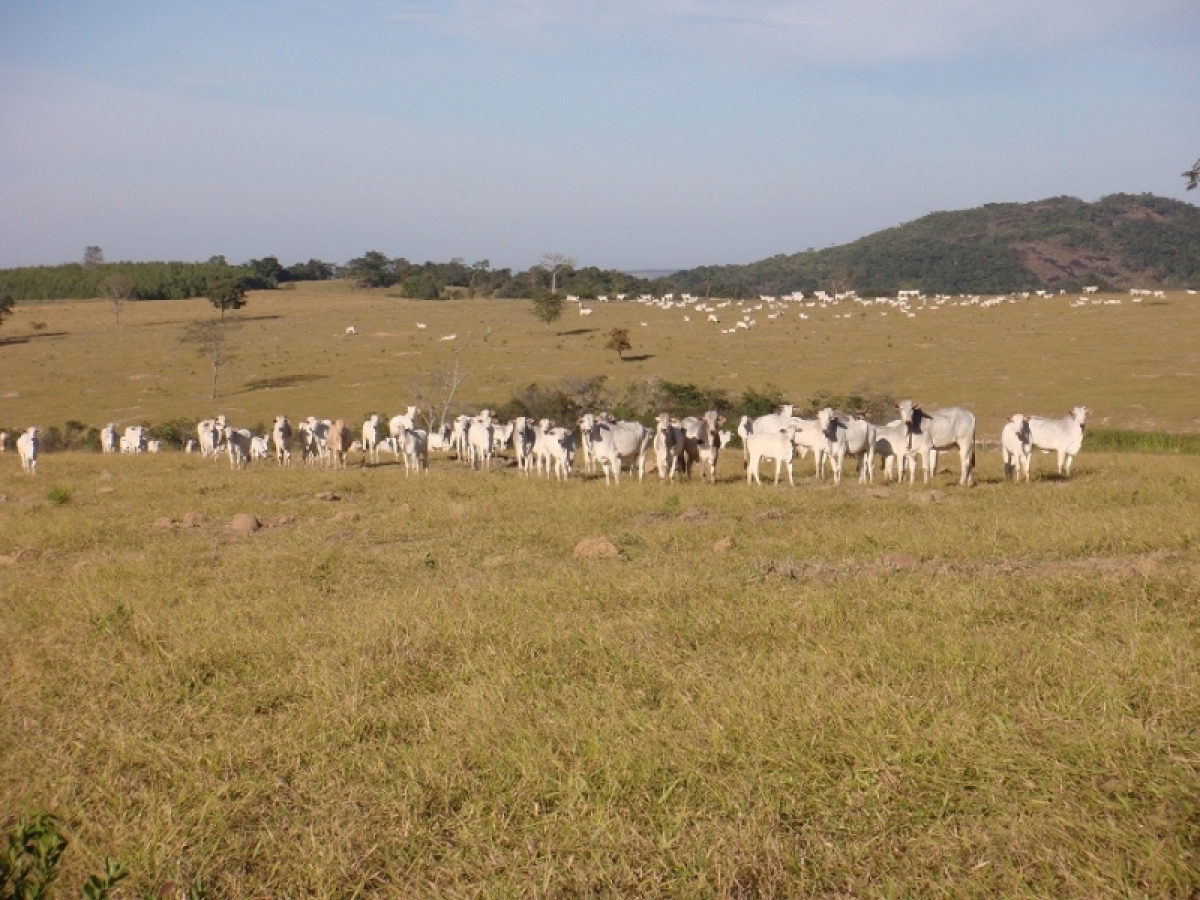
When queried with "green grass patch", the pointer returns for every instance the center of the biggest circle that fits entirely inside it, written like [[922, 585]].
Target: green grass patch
[[1125, 440]]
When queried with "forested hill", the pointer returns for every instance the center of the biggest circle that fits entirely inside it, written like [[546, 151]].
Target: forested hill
[[1118, 242]]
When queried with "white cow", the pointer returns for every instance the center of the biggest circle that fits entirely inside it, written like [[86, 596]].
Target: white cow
[[406, 419], [134, 439], [929, 433], [614, 443], [109, 442], [27, 448], [501, 435], [3, 441], [779, 446], [371, 435], [458, 436], [557, 449], [479, 440], [540, 452], [1062, 436], [206, 433], [260, 447], [773, 423], [281, 437], [1015, 448], [414, 443], [314, 440], [238, 442], [668, 446], [744, 429], [439, 438], [890, 442], [153, 446], [701, 444], [849, 436], [524, 438], [339, 439], [190, 446], [810, 437]]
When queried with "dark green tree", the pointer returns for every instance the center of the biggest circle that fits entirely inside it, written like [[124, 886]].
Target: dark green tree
[[313, 270], [618, 340], [6, 306], [93, 257], [372, 270], [266, 273], [1193, 176], [226, 293], [547, 308]]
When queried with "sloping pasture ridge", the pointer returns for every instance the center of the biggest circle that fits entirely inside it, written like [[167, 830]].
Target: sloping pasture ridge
[[1136, 365]]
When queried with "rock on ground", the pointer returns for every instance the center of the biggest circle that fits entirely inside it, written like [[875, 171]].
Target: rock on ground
[[598, 547]]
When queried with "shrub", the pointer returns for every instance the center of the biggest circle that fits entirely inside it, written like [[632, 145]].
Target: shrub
[[59, 495], [29, 865]]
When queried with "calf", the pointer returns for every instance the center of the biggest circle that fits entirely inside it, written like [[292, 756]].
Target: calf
[[779, 446], [238, 442], [1015, 447]]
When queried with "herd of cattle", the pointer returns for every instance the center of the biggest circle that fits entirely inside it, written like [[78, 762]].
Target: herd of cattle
[[680, 445]]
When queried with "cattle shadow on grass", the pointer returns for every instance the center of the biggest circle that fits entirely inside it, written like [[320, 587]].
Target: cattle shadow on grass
[[279, 382], [641, 357], [26, 338], [575, 332]]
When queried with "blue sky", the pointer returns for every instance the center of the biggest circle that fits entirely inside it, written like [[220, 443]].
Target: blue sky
[[652, 134]]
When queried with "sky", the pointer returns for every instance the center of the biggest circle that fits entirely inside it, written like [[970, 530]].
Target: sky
[[631, 134]]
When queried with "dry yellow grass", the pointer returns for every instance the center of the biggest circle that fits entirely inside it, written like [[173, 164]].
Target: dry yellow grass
[[417, 690], [1136, 365]]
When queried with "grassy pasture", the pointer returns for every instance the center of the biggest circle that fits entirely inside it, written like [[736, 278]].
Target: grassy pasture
[[417, 690], [1136, 365]]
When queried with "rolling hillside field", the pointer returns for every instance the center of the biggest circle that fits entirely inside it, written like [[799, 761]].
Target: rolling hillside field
[[478, 684]]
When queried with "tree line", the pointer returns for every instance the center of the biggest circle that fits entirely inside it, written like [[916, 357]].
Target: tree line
[[150, 280], [554, 274]]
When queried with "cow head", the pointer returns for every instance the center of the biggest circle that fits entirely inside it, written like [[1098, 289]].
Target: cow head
[[825, 418], [1079, 414]]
